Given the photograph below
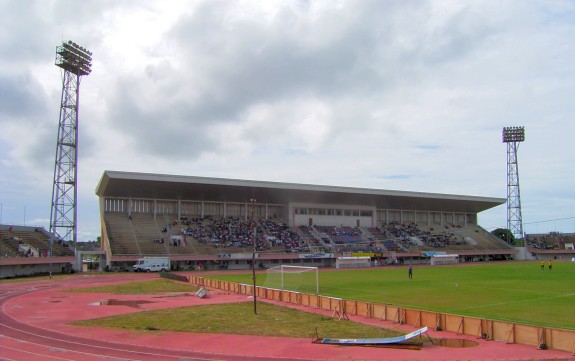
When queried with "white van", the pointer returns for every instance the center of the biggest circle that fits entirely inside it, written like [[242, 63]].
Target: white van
[[152, 264]]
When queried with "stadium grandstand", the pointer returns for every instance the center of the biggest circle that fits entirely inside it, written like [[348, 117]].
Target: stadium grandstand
[[207, 223], [26, 250]]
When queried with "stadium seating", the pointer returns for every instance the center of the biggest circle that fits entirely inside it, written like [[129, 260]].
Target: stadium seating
[[146, 231], [120, 234], [142, 234], [25, 241], [9, 247], [550, 241]]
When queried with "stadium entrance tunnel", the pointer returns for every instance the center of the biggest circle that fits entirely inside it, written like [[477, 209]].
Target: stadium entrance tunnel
[[454, 342]]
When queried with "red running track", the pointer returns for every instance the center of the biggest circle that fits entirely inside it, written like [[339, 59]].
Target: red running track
[[35, 319]]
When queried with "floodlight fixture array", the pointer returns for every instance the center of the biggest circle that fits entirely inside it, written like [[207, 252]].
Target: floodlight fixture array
[[74, 58], [513, 134]]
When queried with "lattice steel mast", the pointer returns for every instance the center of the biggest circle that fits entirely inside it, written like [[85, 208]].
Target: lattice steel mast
[[76, 62], [513, 136]]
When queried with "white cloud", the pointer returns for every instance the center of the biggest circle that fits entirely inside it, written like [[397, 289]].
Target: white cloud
[[382, 94]]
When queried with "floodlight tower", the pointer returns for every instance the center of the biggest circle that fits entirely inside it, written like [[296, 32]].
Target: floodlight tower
[[513, 136], [76, 62]]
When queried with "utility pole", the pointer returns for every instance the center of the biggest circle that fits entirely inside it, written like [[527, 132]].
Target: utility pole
[[253, 203]]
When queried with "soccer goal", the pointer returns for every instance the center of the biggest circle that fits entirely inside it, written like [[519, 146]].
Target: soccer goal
[[352, 262], [441, 259], [293, 278]]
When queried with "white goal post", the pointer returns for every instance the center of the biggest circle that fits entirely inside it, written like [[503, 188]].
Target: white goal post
[[293, 278]]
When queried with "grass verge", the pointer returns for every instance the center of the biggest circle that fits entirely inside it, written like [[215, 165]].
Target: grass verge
[[239, 319]]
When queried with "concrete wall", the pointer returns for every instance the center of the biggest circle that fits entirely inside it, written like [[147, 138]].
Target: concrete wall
[[22, 270]]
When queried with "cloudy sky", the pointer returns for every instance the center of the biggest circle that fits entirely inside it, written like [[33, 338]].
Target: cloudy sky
[[399, 95]]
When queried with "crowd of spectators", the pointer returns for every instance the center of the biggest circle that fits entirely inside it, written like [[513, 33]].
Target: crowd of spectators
[[552, 240], [347, 239], [281, 234], [308, 236], [223, 232], [408, 235], [233, 232], [343, 234]]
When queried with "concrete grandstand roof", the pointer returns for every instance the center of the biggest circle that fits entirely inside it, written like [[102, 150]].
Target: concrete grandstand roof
[[163, 186]]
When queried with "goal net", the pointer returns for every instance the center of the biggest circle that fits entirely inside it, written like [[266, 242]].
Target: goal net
[[293, 278]]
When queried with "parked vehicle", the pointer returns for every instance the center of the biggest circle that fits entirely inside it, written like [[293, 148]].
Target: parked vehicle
[[152, 264]]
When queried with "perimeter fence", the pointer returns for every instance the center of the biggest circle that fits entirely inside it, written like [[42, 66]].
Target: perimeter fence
[[509, 332]]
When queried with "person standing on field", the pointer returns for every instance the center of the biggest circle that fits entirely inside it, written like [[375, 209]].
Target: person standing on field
[[542, 265], [410, 272], [550, 265]]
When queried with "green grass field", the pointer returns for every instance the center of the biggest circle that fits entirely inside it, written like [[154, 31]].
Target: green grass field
[[516, 292], [270, 320]]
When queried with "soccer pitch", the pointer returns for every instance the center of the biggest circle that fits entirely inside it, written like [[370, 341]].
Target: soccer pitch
[[516, 292]]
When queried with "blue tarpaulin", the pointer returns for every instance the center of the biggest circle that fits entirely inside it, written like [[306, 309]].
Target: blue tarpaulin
[[372, 341]]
